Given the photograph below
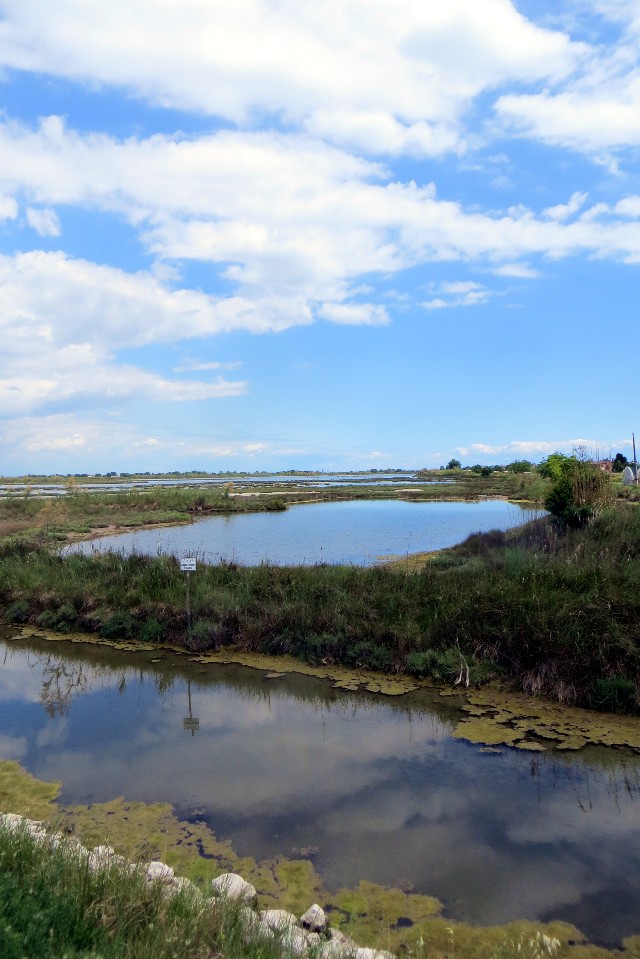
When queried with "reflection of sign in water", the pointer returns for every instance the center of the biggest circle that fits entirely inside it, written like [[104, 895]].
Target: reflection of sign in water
[[190, 723]]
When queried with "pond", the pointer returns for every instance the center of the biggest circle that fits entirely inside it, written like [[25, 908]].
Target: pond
[[377, 788], [359, 532]]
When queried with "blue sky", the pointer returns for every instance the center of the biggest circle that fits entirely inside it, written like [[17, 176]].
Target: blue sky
[[282, 234]]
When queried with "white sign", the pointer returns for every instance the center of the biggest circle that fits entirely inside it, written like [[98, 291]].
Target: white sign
[[188, 564]]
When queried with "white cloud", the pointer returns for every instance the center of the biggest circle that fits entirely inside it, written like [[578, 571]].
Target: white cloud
[[354, 314], [629, 206], [597, 110], [378, 132], [8, 208], [45, 221], [407, 70], [538, 448], [562, 211], [190, 366], [287, 219], [63, 321], [518, 270], [107, 438], [457, 293]]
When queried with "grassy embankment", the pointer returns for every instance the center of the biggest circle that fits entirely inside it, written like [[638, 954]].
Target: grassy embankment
[[52, 906], [549, 613]]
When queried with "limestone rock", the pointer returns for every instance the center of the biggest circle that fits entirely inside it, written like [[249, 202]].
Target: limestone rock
[[362, 953], [278, 919], [101, 857], [159, 871], [299, 942], [314, 919], [232, 886], [12, 821]]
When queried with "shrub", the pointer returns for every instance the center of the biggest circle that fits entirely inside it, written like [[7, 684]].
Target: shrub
[[578, 493], [152, 631], [206, 634], [616, 694], [117, 626], [441, 665], [18, 612]]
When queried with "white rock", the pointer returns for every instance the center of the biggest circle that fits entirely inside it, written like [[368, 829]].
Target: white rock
[[278, 919], [249, 919], [314, 919], [298, 942], [232, 886], [159, 871], [362, 953], [183, 884], [11, 821], [103, 852], [337, 949]]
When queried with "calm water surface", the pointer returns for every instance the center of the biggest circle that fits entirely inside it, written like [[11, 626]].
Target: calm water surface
[[378, 785], [358, 531]]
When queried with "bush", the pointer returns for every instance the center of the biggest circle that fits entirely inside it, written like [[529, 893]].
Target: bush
[[18, 613], [117, 626], [615, 694], [62, 620], [152, 631], [578, 493], [440, 665], [207, 634]]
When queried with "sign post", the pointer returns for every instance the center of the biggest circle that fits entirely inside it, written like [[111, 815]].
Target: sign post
[[188, 566]]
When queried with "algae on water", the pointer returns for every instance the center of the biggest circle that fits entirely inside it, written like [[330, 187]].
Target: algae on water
[[496, 717]]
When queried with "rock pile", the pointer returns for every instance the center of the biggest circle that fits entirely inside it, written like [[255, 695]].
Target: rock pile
[[309, 935]]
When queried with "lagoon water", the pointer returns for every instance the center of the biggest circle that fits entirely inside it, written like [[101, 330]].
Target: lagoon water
[[360, 532], [378, 785]]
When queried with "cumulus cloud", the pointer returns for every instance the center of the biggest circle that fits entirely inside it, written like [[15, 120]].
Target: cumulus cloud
[[63, 322], [458, 293], [8, 208], [408, 71], [283, 214], [45, 221], [519, 270], [597, 109], [354, 314], [538, 448], [562, 211]]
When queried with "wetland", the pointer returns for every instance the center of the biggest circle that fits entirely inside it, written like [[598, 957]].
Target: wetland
[[309, 725], [271, 772]]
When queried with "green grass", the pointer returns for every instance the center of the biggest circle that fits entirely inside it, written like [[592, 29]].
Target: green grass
[[551, 613], [53, 907]]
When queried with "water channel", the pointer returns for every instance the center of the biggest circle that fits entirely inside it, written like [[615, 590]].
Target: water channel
[[360, 532], [378, 787]]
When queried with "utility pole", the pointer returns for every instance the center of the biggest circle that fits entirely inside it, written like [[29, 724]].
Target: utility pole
[[635, 463]]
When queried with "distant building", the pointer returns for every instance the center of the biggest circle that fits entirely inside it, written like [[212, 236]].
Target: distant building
[[630, 474], [605, 465]]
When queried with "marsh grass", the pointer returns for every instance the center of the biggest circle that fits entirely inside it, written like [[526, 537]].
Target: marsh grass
[[53, 906], [550, 612]]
